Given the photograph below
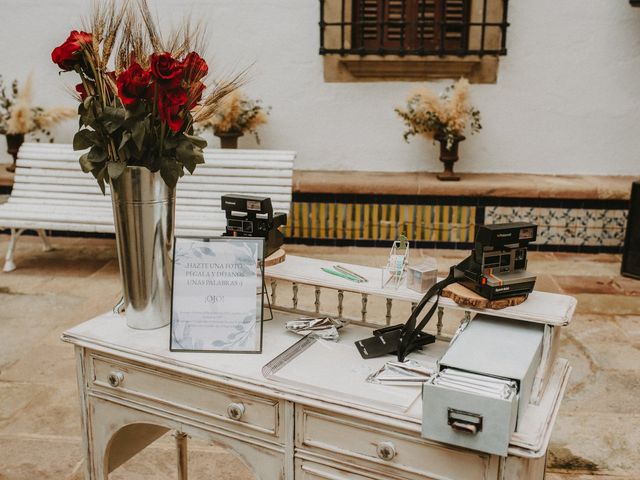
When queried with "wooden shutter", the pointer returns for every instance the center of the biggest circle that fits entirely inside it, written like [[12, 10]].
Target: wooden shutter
[[456, 18], [394, 25]]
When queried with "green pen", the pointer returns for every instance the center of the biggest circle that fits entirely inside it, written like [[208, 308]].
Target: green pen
[[341, 274]]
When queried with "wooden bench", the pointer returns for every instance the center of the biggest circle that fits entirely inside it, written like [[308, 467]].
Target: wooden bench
[[50, 192]]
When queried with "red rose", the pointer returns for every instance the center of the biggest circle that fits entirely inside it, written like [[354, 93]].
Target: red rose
[[67, 55], [195, 67], [171, 115], [174, 97], [166, 69], [170, 106], [195, 94], [81, 91], [133, 84]]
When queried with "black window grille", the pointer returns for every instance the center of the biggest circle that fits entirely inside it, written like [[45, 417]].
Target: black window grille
[[413, 27]]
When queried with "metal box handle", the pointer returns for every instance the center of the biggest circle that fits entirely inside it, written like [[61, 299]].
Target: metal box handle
[[465, 422]]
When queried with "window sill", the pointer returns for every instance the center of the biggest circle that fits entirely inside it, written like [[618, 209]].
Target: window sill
[[374, 68]]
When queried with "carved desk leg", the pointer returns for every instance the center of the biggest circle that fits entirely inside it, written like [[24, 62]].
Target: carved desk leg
[[86, 452]]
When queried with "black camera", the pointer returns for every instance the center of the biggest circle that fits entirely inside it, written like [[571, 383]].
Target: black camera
[[497, 266], [249, 216]]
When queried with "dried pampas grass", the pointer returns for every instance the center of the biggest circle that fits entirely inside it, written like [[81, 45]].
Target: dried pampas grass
[[458, 106], [21, 117], [440, 117], [47, 117], [235, 113]]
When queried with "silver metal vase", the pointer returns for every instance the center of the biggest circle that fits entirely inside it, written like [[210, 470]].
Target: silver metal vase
[[143, 213]]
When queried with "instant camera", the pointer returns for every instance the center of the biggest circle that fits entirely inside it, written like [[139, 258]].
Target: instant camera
[[497, 266], [249, 216]]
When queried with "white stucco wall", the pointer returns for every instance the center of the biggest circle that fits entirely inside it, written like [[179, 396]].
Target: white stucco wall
[[567, 98]]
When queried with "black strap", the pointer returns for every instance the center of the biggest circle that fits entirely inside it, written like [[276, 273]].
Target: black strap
[[410, 330]]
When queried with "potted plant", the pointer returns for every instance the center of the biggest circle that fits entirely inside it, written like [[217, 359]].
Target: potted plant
[[19, 117], [238, 114], [442, 118], [138, 92]]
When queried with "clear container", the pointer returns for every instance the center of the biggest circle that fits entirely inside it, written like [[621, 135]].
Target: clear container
[[423, 276]]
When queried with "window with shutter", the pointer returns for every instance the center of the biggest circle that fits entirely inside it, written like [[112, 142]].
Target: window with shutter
[[398, 26], [410, 40]]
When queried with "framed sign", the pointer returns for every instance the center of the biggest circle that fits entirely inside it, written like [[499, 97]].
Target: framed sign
[[216, 301]]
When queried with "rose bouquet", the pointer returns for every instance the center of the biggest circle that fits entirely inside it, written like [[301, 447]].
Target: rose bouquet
[[139, 108], [238, 114], [443, 118]]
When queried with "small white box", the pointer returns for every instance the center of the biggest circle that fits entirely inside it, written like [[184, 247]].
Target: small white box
[[493, 347], [423, 276]]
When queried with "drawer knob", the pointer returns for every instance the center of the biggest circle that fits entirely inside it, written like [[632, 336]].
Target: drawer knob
[[386, 451], [235, 411], [115, 379]]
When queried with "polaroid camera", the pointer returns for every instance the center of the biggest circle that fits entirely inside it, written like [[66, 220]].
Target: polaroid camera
[[249, 216], [497, 266]]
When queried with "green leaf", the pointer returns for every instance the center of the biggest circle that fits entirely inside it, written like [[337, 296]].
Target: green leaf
[[136, 112], [85, 163], [189, 155], [115, 169], [97, 154], [171, 171], [102, 186], [170, 143], [112, 118], [190, 164], [138, 132], [99, 173], [86, 112], [126, 136], [85, 138], [196, 140]]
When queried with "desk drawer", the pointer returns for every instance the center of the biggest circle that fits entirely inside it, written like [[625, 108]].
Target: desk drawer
[[318, 431], [231, 406], [308, 470]]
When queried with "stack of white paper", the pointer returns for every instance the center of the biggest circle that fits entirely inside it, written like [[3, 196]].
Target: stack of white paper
[[474, 383]]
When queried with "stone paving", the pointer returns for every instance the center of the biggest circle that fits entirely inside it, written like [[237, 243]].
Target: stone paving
[[597, 434]]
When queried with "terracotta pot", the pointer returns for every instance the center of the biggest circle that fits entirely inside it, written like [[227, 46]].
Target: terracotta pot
[[228, 139], [449, 157], [14, 141]]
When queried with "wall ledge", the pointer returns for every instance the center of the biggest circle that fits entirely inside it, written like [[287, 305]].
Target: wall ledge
[[497, 185]]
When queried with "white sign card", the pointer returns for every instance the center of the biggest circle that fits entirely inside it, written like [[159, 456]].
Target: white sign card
[[217, 294]]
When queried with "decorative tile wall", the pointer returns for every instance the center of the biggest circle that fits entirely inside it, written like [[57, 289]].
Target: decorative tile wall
[[567, 226], [449, 222]]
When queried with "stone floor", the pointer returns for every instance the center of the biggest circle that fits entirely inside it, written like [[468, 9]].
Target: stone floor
[[597, 434]]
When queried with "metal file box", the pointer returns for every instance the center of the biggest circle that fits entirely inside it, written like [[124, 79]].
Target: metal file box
[[494, 347]]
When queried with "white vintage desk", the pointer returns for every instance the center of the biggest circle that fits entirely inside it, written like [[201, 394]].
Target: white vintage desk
[[133, 390]]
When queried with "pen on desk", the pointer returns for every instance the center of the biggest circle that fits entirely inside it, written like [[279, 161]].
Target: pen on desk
[[341, 275], [342, 269]]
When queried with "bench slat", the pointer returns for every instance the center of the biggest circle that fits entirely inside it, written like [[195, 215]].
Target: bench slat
[[202, 173], [81, 200], [204, 182], [210, 163], [69, 205], [96, 217]]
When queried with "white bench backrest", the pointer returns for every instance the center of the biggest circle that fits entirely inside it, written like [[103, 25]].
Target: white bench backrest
[[50, 174]]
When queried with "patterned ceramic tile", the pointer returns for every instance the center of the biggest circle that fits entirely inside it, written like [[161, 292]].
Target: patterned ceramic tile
[[567, 226]]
